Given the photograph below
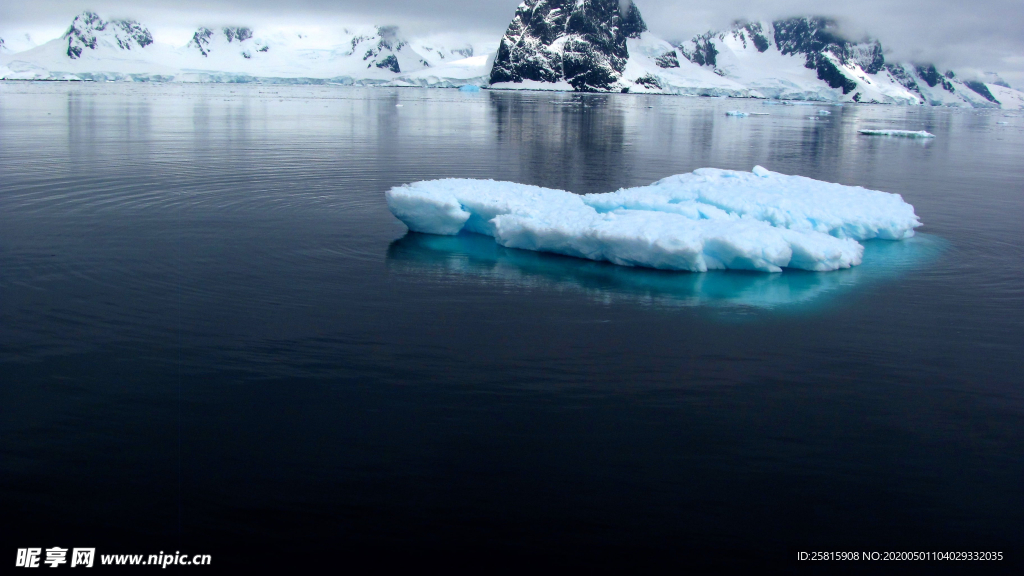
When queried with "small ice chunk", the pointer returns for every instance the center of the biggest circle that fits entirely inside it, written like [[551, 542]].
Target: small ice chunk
[[469, 88], [737, 113], [824, 113], [899, 133]]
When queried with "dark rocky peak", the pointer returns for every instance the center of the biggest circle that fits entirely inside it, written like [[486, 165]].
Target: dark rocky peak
[[981, 89], [204, 38], [379, 49], [201, 40], [742, 30], [932, 77], [818, 38], [389, 38], [900, 74], [868, 55], [701, 50], [807, 35], [88, 28], [757, 35], [816, 35], [239, 33], [580, 41]]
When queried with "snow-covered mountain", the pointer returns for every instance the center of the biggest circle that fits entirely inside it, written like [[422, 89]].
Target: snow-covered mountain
[[807, 58], [583, 45], [579, 42], [604, 45], [124, 50], [88, 32]]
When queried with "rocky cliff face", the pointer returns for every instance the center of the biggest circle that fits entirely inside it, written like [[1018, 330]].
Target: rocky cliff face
[[582, 42], [88, 31], [228, 39], [381, 49], [816, 38]]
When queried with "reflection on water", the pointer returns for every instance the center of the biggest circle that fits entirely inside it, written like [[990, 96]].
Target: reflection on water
[[455, 258]]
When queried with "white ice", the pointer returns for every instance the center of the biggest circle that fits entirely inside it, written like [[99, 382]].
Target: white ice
[[708, 219], [737, 113], [899, 133]]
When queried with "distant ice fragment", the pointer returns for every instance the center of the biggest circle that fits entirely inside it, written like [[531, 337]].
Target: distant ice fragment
[[708, 219], [824, 113], [737, 113], [469, 88], [899, 133]]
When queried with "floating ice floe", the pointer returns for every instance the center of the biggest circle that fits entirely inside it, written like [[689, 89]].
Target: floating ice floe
[[824, 113], [469, 88], [708, 219], [737, 113], [899, 133]]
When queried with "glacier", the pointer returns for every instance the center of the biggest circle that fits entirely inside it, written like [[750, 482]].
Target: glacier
[[709, 219]]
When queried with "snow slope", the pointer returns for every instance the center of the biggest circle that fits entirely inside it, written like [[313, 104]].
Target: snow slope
[[708, 219]]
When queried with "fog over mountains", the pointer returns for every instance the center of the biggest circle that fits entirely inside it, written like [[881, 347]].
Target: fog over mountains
[[581, 45]]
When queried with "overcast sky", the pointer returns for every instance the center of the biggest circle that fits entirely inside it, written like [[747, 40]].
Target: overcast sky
[[964, 35]]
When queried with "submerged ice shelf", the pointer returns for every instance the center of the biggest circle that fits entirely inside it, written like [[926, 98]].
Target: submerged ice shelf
[[708, 219], [431, 258]]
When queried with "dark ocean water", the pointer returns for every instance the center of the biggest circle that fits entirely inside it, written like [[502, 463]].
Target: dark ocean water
[[215, 338]]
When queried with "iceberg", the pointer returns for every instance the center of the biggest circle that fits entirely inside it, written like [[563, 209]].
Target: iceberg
[[737, 113], [898, 133], [705, 220]]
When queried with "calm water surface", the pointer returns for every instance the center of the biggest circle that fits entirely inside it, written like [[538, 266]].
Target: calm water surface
[[215, 338]]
